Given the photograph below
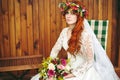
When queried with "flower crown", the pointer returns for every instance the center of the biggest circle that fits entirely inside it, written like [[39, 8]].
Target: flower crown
[[75, 8]]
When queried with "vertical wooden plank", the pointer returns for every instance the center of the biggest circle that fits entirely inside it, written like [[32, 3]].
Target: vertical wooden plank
[[18, 28], [29, 27], [23, 17], [79, 0], [86, 3], [109, 50], [119, 43], [90, 2], [12, 27], [100, 9], [58, 18], [41, 26], [119, 31], [47, 27], [95, 9], [74, 0], [105, 10], [1, 31], [6, 36], [53, 23], [36, 27], [119, 53], [63, 18], [114, 34]]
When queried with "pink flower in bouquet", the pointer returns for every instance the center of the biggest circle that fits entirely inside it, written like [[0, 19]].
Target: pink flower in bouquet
[[50, 78], [68, 3], [60, 67], [63, 62], [51, 73]]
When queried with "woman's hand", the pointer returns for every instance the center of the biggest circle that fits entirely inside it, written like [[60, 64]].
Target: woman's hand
[[69, 76]]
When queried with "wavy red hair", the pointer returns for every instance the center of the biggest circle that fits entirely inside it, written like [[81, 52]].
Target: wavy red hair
[[74, 42]]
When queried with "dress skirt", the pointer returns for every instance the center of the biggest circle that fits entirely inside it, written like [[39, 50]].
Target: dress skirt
[[91, 74]]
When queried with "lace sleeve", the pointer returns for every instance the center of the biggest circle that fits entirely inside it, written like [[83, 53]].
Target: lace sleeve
[[89, 56], [58, 45]]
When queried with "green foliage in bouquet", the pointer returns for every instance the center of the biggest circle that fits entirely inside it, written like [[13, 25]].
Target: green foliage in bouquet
[[54, 69]]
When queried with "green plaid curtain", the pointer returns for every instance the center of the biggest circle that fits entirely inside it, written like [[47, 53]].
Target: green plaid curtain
[[100, 28]]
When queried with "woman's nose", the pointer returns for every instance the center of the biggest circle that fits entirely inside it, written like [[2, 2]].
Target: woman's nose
[[68, 15]]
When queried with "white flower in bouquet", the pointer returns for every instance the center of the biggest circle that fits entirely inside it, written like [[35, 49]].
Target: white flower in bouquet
[[51, 66]]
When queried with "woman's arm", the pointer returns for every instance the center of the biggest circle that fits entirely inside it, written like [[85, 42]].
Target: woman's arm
[[58, 45], [89, 56]]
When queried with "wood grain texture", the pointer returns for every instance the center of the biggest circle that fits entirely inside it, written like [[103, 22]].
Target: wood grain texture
[[109, 41], [41, 26], [30, 27], [23, 23], [47, 27], [11, 20], [36, 39], [1, 30], [6, 35], [17, 28]]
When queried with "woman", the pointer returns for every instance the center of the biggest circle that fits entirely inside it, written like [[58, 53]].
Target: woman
[[81, 46]]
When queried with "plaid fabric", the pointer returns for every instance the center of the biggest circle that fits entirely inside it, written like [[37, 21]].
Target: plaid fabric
[[100, 28]]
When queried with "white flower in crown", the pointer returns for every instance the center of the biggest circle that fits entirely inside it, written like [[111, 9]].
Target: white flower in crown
[[83, 10], [77, 6], [51, 66]]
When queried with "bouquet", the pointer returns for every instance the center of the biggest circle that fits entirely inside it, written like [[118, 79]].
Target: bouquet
[[54, 69]]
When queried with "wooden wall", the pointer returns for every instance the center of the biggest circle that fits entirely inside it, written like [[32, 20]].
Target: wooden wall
[[31, 27], [118, 35]]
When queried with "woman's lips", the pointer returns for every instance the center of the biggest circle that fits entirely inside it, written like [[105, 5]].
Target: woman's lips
[[68, 20]]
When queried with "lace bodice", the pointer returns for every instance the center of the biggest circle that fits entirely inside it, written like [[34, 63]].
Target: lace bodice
[[82, 61]]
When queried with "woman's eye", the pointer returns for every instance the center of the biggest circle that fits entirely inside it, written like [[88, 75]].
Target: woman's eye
[[67, 12]]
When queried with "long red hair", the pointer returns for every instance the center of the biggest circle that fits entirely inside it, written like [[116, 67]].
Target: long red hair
[[74, 42]]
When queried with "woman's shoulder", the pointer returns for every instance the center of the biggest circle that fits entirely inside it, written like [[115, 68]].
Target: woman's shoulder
[[64, 30]]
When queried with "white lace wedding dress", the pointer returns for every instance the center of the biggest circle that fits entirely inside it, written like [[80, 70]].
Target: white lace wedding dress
[[83, 65]]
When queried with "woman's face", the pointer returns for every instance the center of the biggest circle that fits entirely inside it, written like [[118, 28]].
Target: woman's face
[[70, 18]]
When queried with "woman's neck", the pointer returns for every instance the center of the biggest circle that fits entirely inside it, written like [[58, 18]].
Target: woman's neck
[[71, 26]]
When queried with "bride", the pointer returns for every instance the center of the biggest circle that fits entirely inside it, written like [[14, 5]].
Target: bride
[[81, 46]]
